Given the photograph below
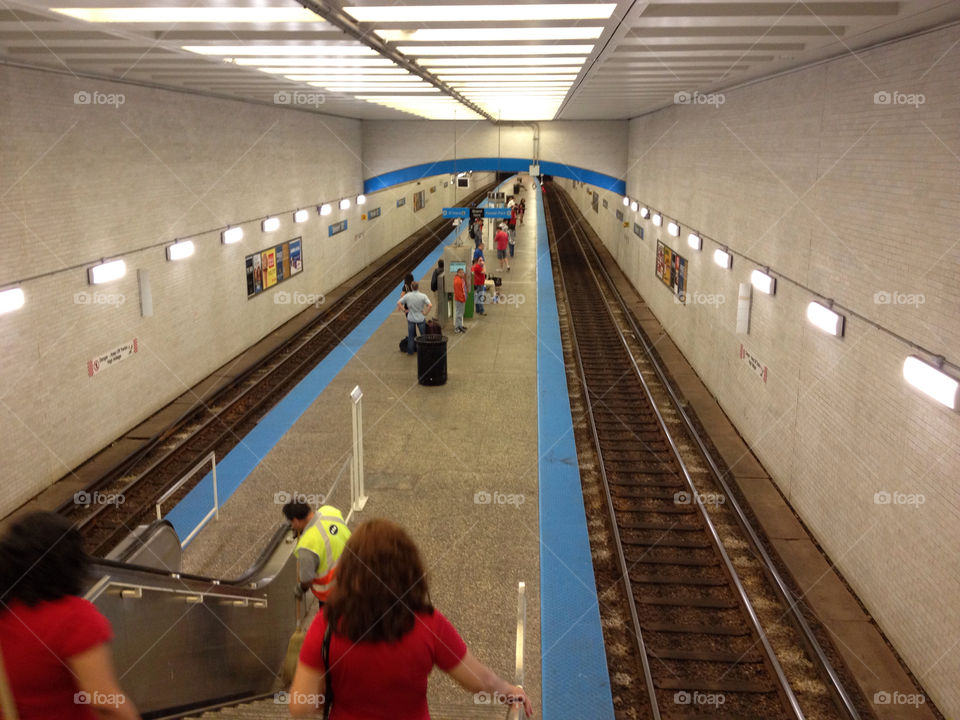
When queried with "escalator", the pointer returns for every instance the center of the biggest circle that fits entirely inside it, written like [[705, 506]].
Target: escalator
[[185, 643]]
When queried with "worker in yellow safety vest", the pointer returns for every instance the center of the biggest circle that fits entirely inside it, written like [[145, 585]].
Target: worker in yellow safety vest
[[323, 535]]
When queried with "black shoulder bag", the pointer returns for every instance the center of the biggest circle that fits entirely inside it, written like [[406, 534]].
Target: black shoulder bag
[[328, 684]]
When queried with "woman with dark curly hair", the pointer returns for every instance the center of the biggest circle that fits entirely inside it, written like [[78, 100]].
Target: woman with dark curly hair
[[54, 643], [385, 637]]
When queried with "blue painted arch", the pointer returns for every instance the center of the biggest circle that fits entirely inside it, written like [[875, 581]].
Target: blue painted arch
[[492, 164]]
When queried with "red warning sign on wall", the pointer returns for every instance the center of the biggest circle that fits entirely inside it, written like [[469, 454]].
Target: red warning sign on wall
[[111, 357]]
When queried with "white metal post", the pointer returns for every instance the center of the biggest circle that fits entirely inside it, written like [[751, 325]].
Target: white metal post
[[359, 499]]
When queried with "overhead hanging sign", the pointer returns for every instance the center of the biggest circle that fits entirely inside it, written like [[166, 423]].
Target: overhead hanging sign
[[477, 212], [456, 212], [111, 357], [501, 213]]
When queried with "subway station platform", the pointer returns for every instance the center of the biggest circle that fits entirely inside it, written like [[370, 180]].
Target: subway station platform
[[479, 470]]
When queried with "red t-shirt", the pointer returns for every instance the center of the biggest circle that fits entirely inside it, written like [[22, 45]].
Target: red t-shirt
[[459, 289], [380, 680], [479, 276], [36, 644], [501, 239]]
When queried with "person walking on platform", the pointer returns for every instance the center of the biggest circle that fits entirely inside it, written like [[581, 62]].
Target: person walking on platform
[[323, 535], [56, 661], [371, 649], [502, 240], [437, 285], [416, 306], [478, 252], [459, 300], [479, 289]]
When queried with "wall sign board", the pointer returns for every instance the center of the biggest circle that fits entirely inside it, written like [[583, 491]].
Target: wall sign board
[[336, 228], [273, 265], [672, 270]]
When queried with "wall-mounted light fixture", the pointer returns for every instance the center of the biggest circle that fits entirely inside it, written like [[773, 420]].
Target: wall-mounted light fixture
[[301, 216], [231, 235], [626, 201], [695, 241], [11, 299], [362, 199], [763, 282], [657, 219], [722, 258], [825, 319], [345, 204], [270, 224], [931, 381], [644, 212], [106, 272], [634, 205], [180, 250], [325, 209], [673, 229]]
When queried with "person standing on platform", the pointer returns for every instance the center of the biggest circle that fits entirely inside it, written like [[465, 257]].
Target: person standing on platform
[[323, 535], [370, 651], [522, 211], [478, 253], [502, 239], [56, 659], [459, 300], [437, 285], [416, 306], [479, 290]]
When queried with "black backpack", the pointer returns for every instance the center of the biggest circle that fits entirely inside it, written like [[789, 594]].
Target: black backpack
[[433, 280]]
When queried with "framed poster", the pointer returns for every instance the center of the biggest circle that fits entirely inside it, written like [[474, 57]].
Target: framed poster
[[605, 206], [619, 215], [401, 201], [638, 230], [418, 200], [269, 267], [671, 268], [596, 202]]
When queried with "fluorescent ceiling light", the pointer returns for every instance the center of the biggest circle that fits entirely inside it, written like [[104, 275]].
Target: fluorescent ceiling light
[[673, 229], [510, 85], [327, 63], [447, 35], [515, 78], [325, 209], [763, 282], [180, 250], [12, 299], [931, 381], [500, 50], [657, 219], [361, 199], [722, 258], [826, 319], [481, 13], [286, 50], [231, 235], [219, 15], [270, 224], [334, 71], [358, 88], [301, 216], [345, 204], [106, 272], [469, 62], [694, 241], [357, 79]]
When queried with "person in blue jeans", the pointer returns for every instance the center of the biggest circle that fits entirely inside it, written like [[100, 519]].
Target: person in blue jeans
[[417, 306]]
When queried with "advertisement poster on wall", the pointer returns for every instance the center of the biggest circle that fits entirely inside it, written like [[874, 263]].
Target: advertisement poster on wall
[[268, 267], [672, 270], [418, 201], [595, 203]]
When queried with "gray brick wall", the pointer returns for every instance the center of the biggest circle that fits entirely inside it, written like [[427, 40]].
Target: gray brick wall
[[808, 174]]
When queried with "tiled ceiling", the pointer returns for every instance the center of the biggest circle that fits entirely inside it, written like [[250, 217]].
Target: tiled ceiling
[[508, 60]]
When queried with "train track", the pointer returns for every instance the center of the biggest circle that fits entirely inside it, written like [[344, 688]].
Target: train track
[[715, 630], [219, 423]]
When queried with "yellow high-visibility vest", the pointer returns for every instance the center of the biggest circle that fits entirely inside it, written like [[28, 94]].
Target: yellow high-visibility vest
[[325, 537]]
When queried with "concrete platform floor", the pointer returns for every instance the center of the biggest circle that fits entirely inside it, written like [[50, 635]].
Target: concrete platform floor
[[428, 453]]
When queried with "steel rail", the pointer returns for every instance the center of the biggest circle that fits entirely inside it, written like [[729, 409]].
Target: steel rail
[[785, 687], [615, 528], [786, 596]]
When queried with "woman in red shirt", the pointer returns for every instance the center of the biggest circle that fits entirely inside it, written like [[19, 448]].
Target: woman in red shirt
[[387, 637], [53, 642]]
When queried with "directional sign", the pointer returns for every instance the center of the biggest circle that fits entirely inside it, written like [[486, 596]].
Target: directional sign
[[503, 213], [456, 212], [476, 212]]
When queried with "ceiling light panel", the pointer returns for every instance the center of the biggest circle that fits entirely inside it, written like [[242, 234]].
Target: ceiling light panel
[[446, 35], [453, 63], [178, 15], [480, 13], [499, 50], [311, 61], [284, 50]]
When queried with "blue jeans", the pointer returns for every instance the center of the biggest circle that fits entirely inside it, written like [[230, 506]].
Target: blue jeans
[[478, 296], [412, 334]]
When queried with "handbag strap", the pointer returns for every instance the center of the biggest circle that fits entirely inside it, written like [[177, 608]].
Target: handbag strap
[[7, 703], [328, 684]]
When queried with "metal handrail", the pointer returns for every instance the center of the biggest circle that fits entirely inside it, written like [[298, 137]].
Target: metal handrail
[[515, 711], [211, 458]]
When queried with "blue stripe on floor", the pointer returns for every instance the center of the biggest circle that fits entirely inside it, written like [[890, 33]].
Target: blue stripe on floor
[[237, 465], [576, 684]]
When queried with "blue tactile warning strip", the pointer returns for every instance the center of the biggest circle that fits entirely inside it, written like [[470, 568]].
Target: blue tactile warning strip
[[234, 468], [576, 684], [492, 164]]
